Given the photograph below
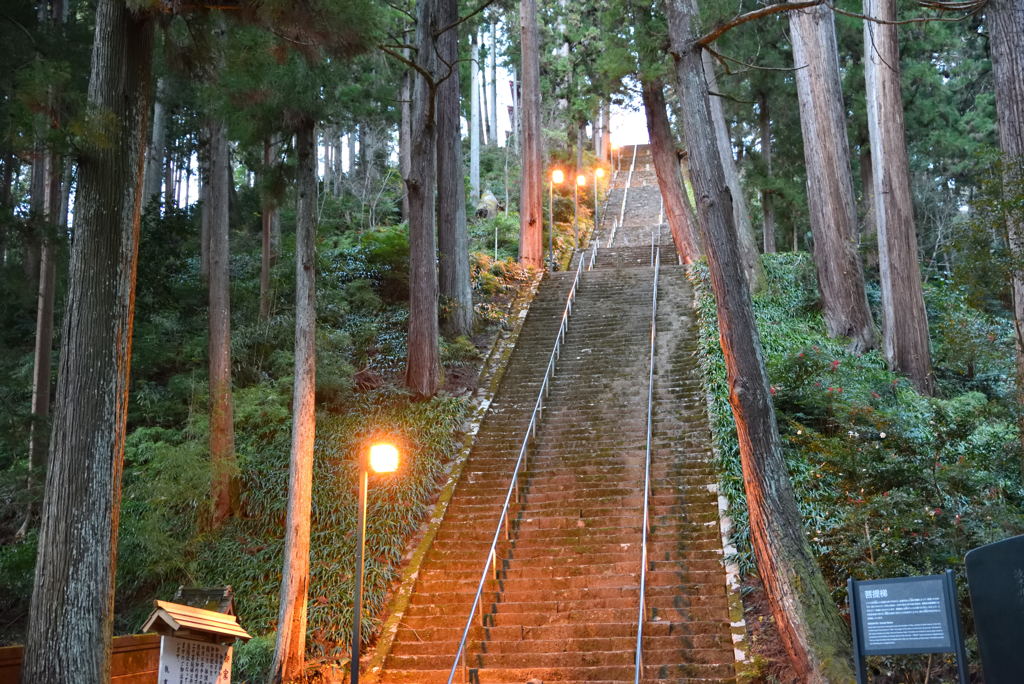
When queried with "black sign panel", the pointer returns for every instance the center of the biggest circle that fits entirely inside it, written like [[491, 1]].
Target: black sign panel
[[995, 577], [904, 615]]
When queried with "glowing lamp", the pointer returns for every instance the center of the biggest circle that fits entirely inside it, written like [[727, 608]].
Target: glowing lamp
[[383, 458], [599, 172], [557, 176]]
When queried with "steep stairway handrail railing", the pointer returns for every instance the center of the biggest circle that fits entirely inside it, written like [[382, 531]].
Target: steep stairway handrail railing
[[513, 488], [642, 612], [625, 192]]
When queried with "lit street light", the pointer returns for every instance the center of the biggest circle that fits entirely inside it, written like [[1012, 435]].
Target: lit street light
[[381, 457], [556, 179]]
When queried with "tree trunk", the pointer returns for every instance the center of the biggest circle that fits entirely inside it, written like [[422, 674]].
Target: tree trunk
[[494, 82], [69, 636], [270, 217], [474, 121], [453, 236], [811, 629], [747, 242], [170, 196], [423, 372], [666, 166], [767, 200], [485, 116], [833, 213], [405, 134], [1006, 26], [904, 321], [531, 221], [290, 650], [158, 143], [224, 487]]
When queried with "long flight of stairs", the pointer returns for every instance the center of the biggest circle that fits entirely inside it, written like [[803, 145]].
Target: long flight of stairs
[[564, 606]]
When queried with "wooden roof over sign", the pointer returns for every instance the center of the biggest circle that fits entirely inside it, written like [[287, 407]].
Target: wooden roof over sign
[[174, 618]]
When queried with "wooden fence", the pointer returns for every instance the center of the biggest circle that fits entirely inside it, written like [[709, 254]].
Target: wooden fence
[[135, 660]]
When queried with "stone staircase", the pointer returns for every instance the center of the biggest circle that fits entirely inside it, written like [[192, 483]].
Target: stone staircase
[[565, 602]]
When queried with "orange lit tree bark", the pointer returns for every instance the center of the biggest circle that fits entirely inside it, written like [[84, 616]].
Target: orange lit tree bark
[[423, 370], [810, 627], [833, 213], [666, 166], [290, 649], [1006, 26], [531, 221], [69, 635], [904, 321], [224, 492]]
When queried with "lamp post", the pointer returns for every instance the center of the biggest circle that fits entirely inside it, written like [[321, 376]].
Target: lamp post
[[556, 178], [381, 458], [598, 173], [581, 180]]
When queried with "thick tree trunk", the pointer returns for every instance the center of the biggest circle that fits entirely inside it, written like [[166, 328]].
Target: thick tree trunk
[[747, 241], [767, 200], [453, 236], [811, 629], [666, 166], [290, 650], [223, 483], [270, 218], [423, 371], [157, 146], [493, 52], [829, 180], [904, 321], [405, 134], [1006, 26], [531, 221], [474, 121], [73, 594]]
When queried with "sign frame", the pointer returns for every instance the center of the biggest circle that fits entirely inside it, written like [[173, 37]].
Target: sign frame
[[951, 610]]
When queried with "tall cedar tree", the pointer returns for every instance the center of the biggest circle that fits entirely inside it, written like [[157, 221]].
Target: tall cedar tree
[[452, 233], [812, 631], [290, 649], [1006, 25], [764, 121], [829, 181], [423, 370], [223, 494], [904, 320], [72, 609], [531, 222], [678, 212], [746, 242]]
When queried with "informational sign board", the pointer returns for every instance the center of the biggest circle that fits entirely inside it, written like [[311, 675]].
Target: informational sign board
[[184, 661], [901, 615], [995, 577]]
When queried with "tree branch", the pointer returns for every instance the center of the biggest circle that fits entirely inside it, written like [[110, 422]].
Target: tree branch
[[913, 20], [409, 63], [720, 30], [722, 59], [461, 20]]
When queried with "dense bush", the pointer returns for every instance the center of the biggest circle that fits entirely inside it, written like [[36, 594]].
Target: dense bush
[[889, 482]]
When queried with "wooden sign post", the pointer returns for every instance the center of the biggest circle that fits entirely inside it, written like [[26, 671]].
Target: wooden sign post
[[194, 644]]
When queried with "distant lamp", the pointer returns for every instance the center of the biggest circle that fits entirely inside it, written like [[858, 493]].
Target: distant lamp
[[599, 172], [381, 457], [557, 178]]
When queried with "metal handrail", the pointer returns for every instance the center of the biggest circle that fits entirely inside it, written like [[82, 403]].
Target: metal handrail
[[625, 192], [513, 488], [641, 617]]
